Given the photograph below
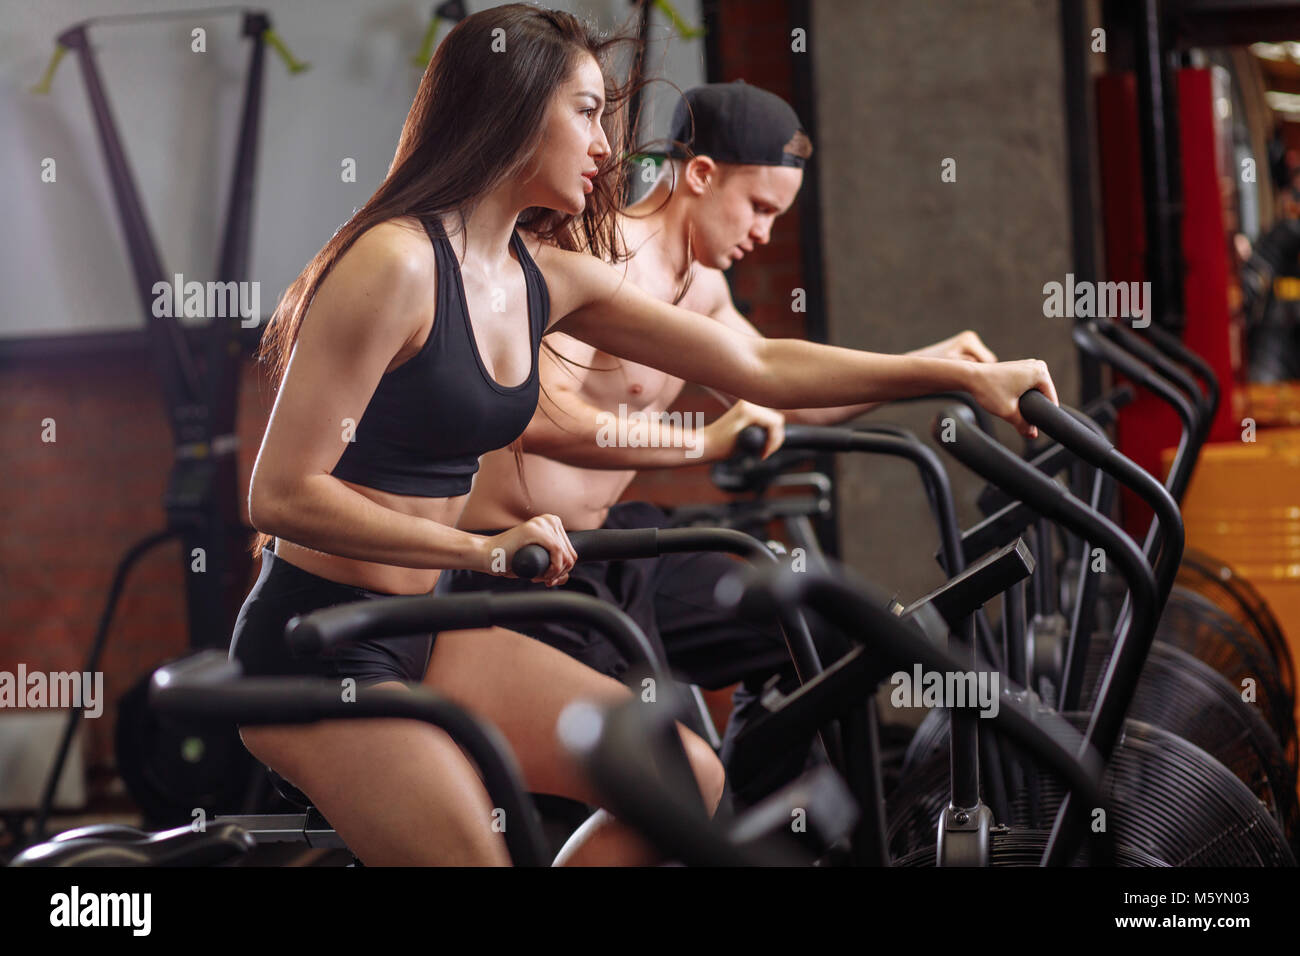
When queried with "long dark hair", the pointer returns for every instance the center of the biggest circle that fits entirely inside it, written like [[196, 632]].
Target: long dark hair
[[473, 125]]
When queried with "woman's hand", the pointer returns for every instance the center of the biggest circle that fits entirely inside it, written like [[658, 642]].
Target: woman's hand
[[998, 388], [545, 530], [720, 434]]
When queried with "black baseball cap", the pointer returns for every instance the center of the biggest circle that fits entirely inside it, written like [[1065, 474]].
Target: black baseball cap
[[734, 123]]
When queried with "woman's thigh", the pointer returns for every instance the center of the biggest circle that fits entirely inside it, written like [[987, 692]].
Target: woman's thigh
[[398, 792], [521, 686]]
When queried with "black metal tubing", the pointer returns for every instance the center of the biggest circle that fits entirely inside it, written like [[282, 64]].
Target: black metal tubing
[[1161, 185], [209, 686], [887, 440], [965, 742], [1172, 346], [623, 759], [201, 498], [892, 443], [995, 463], [1013, 631], [961, 596], [1204, 403], [1096, 449], [1090, 339], [1202, 23], [939, 495], [124, 568], [1084, 619], [321, 631], [1167, 530], [172, 359], [1051, 459], [1140, 348], [625, 544], [857, 608]]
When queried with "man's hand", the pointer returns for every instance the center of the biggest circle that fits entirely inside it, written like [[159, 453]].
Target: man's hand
[[964, 345], [720, 435]]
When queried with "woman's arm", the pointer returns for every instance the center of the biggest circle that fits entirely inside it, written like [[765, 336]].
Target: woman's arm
[[373, 302], [714, 300], [567, 429], [593, 302]]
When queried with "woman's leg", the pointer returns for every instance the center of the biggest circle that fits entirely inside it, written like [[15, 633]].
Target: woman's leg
[[521, 686], [399, 792]]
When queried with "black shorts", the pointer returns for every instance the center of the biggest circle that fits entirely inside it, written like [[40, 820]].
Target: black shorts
[[284, 590], [670, 597]]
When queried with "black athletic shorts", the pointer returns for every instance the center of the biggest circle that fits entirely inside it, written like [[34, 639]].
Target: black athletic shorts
[[670, 597], [284, 590]]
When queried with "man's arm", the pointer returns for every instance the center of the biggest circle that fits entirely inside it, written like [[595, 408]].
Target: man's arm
[[567, 429]]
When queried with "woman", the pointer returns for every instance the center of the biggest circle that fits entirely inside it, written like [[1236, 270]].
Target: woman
[[415, 360]]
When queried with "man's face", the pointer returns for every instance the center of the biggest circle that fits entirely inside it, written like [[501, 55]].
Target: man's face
[[736, 209]]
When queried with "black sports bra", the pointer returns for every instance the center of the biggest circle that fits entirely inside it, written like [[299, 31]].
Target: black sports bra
[[431, 418]]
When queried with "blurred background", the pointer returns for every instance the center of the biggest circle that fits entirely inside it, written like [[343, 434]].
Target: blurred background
[[967, 153]]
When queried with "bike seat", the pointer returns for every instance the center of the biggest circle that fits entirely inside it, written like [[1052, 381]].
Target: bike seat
[[116, 845]]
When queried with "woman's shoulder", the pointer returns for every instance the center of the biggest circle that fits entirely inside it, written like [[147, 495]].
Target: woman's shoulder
[[390, 268], [399, 246], [573, 278]]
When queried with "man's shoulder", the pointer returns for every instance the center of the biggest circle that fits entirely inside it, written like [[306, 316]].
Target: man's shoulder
[[708, 291]]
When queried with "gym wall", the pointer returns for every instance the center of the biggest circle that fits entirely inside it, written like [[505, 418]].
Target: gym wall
[[910, 259], [71, 341], [65, 269]]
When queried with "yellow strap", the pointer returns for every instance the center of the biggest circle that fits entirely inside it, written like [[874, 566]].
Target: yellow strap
[[421, 59], [44, 85], [292, 64], [686, 32]]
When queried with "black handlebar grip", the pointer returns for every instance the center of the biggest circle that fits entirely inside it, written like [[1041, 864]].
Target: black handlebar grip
[[1038, 410], [530, 561], [204, 669], [603, 544], [993, 462], [321, 631], [751, 440]]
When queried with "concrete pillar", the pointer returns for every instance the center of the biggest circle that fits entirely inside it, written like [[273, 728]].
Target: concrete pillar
[[910, 259]]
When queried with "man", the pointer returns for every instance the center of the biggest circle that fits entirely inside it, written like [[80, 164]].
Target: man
[[729, 175]]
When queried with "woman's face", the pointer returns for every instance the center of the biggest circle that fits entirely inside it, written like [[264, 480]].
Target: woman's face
[[573, 142]]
